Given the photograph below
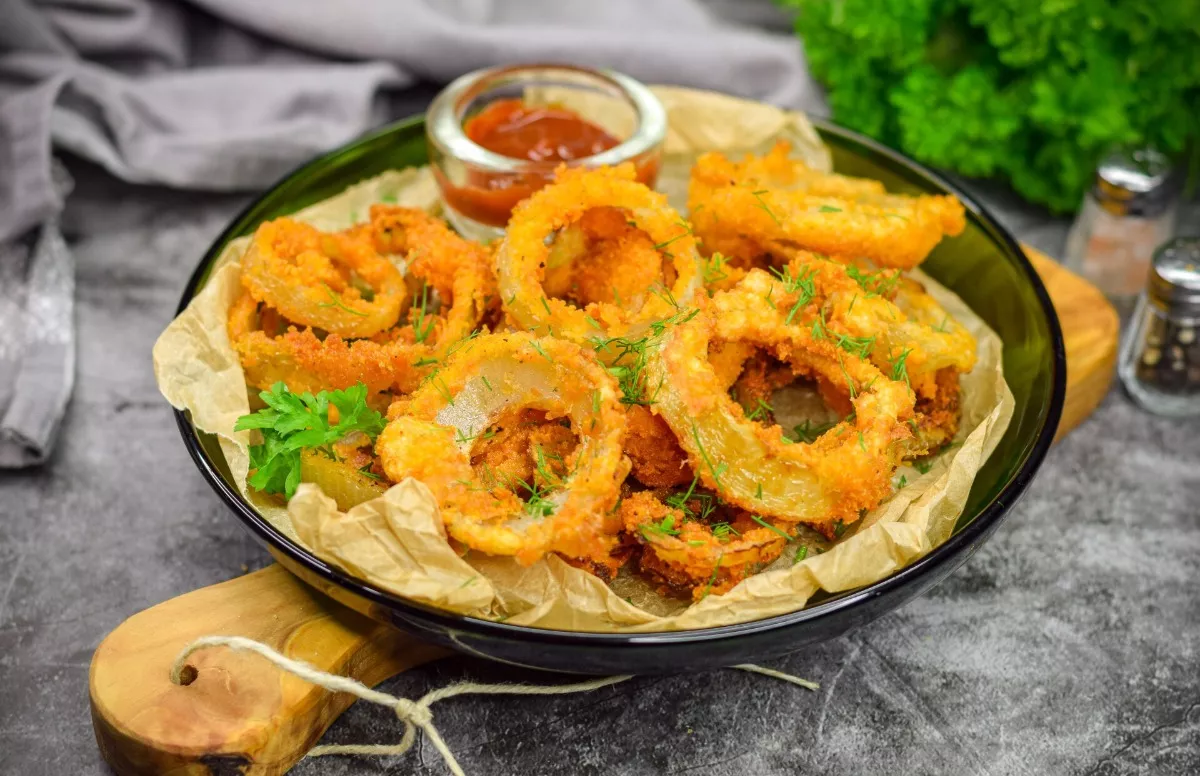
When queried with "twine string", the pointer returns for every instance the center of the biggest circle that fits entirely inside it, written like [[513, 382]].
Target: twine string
[[414, 714]]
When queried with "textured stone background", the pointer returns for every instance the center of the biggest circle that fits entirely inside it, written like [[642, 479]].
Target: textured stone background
[[1067, 646]]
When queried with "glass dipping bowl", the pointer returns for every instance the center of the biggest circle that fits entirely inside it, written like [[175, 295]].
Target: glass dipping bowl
[[480, 187]]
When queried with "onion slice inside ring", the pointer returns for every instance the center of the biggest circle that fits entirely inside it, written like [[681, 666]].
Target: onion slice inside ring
[[525, 253], [432, 433], [313, 278], [844, 471]]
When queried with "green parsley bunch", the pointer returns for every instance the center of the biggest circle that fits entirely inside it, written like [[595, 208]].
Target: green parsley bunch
[[292, 422], [1032, 91]]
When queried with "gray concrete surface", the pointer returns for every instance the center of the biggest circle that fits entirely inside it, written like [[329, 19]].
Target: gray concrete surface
[[1067, 646]]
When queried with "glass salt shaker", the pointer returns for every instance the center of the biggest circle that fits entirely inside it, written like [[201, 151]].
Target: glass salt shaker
[[1160, 357], [1128, 213]]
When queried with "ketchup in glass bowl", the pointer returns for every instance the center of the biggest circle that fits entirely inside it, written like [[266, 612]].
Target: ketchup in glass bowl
[[492, 143]]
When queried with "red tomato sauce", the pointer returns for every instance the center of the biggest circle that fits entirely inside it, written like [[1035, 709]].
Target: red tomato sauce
[[538, 133]]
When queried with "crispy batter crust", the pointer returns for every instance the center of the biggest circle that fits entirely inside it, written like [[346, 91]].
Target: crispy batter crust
[[773, 204], [524, 256], [313, 278]]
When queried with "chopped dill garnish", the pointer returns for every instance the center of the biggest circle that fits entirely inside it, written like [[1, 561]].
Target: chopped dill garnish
[[722, 530], [758, 491], [666, 527], [808, 431], [421, 330], [862, 441], [900, 367], [632, 355], [366, 471], [533, 344], [801, 554], [442, 390], [901, 482], [537, 504], [714, 269], [662, 245], [681, 501], [425, 361], [849, 380], [799, 284], [546, 306], [828, 209], [878, 283], [463, 439], [941, 327], [856, 346], [461, 341], [761, 411], [338, 303], [715, 470], [543, 470], [819, 331], [767, 525], [713, 578], [595, 401], [839, 528], [923, 466], [487, 383], [763, 205], [664, 293]]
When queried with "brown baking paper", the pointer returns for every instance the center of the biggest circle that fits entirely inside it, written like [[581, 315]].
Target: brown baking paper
[[397, 543]]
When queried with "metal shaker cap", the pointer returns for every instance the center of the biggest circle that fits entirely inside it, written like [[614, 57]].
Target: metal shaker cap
[[1135, 183], [1175, 276]]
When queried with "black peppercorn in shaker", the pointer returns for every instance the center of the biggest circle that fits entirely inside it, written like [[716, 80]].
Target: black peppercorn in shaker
[[1160, 358]]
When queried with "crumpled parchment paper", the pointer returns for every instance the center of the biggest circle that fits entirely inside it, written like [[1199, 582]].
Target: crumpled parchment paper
[[397, 542]]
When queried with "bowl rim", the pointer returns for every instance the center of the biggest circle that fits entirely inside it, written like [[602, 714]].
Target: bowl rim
[[946, 552]]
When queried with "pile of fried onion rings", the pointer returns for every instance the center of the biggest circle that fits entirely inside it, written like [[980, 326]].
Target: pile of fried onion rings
[[599, 383]]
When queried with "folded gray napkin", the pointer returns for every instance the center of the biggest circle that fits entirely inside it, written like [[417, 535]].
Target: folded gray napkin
[[226, 95]]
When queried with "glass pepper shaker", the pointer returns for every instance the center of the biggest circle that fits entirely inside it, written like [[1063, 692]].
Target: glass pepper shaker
[[1129, 212], [1160, 358]]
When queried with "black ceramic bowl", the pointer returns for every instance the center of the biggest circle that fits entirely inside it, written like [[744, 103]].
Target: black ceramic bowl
[[984, 266]]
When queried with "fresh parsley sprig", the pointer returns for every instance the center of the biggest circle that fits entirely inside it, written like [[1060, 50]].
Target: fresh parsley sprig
[[292, 422]]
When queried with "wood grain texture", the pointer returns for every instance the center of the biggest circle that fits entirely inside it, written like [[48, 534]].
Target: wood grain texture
[[241, 715], [1091, 332]]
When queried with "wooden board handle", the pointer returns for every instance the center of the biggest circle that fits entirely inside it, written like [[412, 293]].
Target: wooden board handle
[[1091, 333], [240, 714], [243, 716]]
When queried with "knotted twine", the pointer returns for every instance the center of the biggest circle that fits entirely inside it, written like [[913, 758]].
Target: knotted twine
[[414, 714]]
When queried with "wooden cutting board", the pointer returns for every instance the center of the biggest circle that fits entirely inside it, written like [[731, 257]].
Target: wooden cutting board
[[241, 716]]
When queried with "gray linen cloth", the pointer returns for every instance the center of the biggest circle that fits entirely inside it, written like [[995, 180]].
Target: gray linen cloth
[[226, 95]]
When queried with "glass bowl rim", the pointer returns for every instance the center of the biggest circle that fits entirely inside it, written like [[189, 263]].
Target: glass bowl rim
[[983, 523], [443, 126]]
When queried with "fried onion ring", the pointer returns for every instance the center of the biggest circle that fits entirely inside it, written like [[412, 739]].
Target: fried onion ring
[[459, 272], [911, 338], [524, 254], [432, 434], [305, 363], [772, 205], [686, 554], [314, 278], [844, 471]]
